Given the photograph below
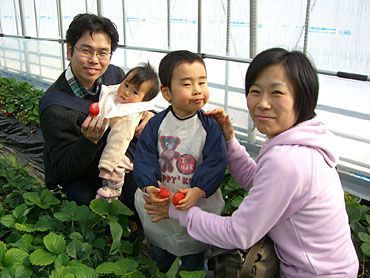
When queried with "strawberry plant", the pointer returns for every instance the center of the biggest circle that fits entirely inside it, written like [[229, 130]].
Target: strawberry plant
[[20, 100], [45, 236]]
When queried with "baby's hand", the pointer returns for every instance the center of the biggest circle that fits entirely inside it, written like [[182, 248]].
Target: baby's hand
[[192, 196]]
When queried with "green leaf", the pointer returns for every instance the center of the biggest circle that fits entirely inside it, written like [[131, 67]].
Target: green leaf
[[172, 272], [15, 257], [55, 243], [61, 260], [20, 212], [76, 235], [108, 268], [365, 248], [368, 219], [28, 228], [73, 272], [24, 243], [8, 221], [2, 251], [192, 274], [104, 208], [72, 212], [41, 257], [44, 200], [73, 248], [237, 201], [22, 272], [119, 268], [116, 231], [364, 237]]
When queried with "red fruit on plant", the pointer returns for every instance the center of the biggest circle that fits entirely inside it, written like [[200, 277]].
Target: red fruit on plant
[[177, 197], [164, 193], [94, 109]]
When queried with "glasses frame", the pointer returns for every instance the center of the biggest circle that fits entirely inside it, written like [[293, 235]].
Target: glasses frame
[[88, 52]]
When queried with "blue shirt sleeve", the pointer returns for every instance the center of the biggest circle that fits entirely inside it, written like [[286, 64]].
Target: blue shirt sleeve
[[209, 174], [147, 169]]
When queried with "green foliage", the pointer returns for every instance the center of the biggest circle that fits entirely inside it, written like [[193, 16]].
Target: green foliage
[[43, 236], [20, 99], [359, 219]]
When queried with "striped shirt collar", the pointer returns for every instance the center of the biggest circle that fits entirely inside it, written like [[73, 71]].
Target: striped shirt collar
[[76, 87]]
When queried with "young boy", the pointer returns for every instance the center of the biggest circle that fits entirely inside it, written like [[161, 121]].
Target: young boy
[[180, 149], [123, 105]]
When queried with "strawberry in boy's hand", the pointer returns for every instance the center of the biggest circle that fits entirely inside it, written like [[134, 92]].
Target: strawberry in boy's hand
[[177, 197], [94, 109], [163, 193]]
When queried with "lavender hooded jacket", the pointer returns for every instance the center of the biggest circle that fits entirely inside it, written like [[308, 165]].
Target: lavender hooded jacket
[[295, 196]]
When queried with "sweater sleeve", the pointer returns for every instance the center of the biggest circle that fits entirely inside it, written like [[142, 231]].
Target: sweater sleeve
[[146, 164], [242, 167], [210, 173], [273, 192], [122, 130], [69, 152]]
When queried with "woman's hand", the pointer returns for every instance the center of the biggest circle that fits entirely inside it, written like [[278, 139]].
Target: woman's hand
[[223, 120], [156, 212], [93, 128], [144, 120]]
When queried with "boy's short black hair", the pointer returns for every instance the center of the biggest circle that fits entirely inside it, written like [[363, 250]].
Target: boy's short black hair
[[174, 59], [299, 71], [142, 73], [91, 23]]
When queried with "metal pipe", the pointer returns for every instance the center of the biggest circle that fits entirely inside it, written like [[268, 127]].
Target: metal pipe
[[99, 7], [199, 48], [15, 17], [306, 26], [60, 29], [36, 18], [168, 24], [227, 66], [21, 17], [124, 22], [252, 28]]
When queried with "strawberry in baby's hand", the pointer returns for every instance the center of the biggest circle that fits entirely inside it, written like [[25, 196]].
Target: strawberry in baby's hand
[[164, 193], [94, 109], [177, 197]]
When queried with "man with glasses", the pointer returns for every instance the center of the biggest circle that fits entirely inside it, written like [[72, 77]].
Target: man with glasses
[[74, 141]]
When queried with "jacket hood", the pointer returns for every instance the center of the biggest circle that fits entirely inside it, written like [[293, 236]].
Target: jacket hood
[[312, 133]]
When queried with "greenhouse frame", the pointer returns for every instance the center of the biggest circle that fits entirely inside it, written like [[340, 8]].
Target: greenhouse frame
[[227, 34]]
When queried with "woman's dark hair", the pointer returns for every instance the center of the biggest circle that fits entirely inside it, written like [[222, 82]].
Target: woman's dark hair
[[300, 72], [174, 59], [91, 23], [142, 73]]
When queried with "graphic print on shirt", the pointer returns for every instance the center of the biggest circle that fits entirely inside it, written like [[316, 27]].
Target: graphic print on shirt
[[168, 153], [185, 163]]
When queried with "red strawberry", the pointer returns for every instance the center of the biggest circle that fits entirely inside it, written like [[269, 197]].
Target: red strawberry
[[164, 193], [177, 197], [94, 109]]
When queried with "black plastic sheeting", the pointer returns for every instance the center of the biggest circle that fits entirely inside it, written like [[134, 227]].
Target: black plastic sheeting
[[26, 141]]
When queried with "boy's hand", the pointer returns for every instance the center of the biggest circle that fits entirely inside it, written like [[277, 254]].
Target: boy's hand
[[93, 128], [223, 121], [192, 196]]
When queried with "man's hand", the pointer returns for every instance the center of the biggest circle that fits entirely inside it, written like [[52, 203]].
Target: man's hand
[[223, 121], [93, 128], [156, 212], [152, 192], [144, 120]]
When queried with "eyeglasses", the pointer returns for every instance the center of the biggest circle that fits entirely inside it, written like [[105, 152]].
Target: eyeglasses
[[87, 52]]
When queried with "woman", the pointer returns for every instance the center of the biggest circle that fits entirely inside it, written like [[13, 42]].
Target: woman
[[295, 195]]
